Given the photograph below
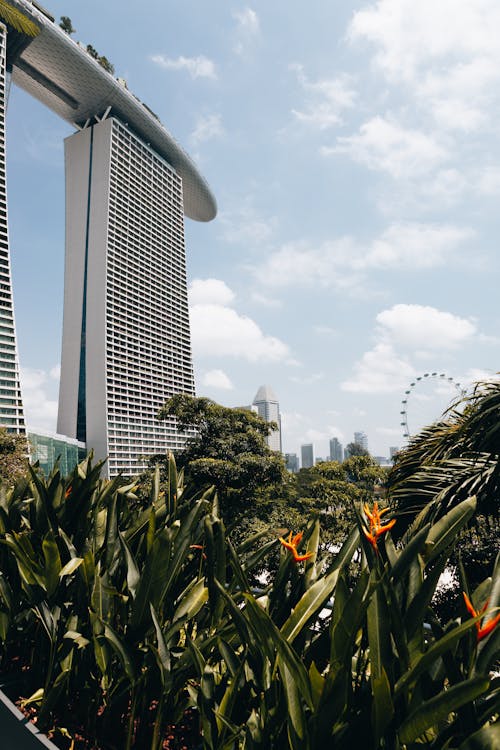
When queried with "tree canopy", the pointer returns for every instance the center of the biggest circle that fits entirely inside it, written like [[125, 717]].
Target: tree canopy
[[225, 447], [13, 456]]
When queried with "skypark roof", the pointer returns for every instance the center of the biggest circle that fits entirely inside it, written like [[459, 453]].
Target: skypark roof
[[60, 73]]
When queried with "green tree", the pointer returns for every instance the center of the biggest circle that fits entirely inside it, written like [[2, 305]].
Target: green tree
[[13, 456], [226, 448], [66, 25], [354, 449], [104, 63], [453, 458]]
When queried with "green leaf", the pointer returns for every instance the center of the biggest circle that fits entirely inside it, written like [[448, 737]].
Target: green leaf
[[121, 650], [446, 643], [297, 726], [436, 710], [488, 738], [443, 533], [382, 707], [70, 566], [409, 554], [163, 652], [312, 601], [191, 601], [133, 574]]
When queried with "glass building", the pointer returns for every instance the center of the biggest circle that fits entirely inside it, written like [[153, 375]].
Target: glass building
[[50, 449]]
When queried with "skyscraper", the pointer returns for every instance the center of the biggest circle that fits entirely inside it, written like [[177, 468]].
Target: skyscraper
[[268, 408], [307, 456], [126, 340], [361, 439], [127, 348], [292, 462], [11, 408], [336, 450]]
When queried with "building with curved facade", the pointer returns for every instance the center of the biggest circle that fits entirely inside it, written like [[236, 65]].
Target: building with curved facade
[[126, 340]]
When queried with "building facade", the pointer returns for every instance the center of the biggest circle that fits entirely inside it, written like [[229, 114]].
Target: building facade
[[126, 341], [336, 450], [292, 462], [361, 439], [307, 456], [268, 408], [11, 407], [126, 349]]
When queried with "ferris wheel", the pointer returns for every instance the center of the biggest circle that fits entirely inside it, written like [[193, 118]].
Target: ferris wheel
[[429, 376]]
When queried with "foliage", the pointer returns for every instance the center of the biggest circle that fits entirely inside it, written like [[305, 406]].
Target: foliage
[[128, 615], [13, 455], [225, 448], [453, 458], [66, 25], [103, 61], [355, 449], [17, 20]]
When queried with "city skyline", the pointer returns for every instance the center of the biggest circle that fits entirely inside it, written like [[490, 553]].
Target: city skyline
[[356, 242]]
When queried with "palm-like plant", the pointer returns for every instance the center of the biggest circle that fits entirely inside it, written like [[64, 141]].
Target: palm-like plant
[[453, 458], [18, 20]]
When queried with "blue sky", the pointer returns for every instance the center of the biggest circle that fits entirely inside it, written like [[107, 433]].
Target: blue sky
[[354, 152]]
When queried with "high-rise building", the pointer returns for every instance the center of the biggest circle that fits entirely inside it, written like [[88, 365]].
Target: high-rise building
[[127, 348], [336, 450], [292, 462], [11, 408], [393, 451], [126, 340], [268, 408], [307, 456], [361, 439]]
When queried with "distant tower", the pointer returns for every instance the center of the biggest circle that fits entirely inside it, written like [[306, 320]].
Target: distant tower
[[307, 456], [336, 450], [292, 462], [361, 439], [268, 408], [393, 451]]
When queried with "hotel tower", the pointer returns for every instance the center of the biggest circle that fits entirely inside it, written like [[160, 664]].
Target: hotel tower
[[126, 340]]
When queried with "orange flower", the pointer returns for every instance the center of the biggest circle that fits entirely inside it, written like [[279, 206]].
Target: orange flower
[[482, 630], [376, 527], [292, 544], [68, 492], [198, 546]]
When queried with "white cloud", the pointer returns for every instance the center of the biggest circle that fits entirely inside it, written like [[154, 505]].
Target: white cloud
[[209, 291], [326, 99], [245, 226], [307, 379], [488, 181], [217, 330], [197, 67], [207, 127], [446, 53], [380, 370], [217, 379], [384, 145], [399, 331], [247, 29], [221, 331], [343, 263], [248, 20], [262, 299], [325, 330], [39, 401], [424, 327]]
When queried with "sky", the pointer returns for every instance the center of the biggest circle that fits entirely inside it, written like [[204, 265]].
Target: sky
[[353, 149]]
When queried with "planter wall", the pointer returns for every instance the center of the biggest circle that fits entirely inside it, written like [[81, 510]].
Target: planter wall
[[16, 732]]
